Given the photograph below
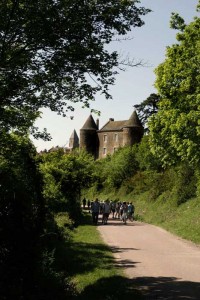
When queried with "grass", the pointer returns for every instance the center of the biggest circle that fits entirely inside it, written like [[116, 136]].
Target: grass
[[91, 267], [182, 220]]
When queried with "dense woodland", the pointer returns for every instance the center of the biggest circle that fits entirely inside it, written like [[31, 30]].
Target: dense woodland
[[41, 66]]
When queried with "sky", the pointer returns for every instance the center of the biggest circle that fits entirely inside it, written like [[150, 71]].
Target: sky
[[147, 43]]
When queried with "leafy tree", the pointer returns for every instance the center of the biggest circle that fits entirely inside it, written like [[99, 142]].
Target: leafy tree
[[147, 108], [49, 49], [144, 156], [65, 175], [122, 165], [21, 214], [175, 129]]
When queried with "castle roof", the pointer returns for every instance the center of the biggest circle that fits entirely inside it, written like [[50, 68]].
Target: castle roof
[[90, 124], [74, 136], [112, 125], [74, 140], [133, 121]]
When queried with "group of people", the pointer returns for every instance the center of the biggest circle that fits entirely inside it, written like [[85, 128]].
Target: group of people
[[119, 210]]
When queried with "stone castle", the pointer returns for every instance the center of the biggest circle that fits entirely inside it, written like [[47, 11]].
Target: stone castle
[[113, 135]]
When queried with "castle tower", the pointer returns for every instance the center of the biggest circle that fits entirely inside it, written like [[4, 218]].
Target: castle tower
[[74, 140], [132, 130], [88, 137]]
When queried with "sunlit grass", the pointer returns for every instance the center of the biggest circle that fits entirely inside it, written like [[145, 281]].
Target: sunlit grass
[[90, 266], [94, 258]]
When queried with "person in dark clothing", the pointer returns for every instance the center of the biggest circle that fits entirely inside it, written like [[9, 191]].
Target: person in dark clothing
[[84, 203]]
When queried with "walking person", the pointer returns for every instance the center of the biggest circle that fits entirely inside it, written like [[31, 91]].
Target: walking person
[[84, 203], [125, 212], [120, 210], [131, 210], [105, 211], [113, 206], [117, 210], [95, 207]]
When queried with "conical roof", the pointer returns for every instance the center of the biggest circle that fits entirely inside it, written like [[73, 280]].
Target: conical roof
[[74, 136], [90, 124], [74, 140], [133, 121]]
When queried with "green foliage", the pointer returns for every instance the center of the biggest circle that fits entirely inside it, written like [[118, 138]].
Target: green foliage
[[177, 22], [50, 280], [121, 166], [198, 6], [49, 49], [146, 159], [28, 232], [134, 185], [185, 183], [174, 130], [197, 174], [151, 181], [64, 177], [21, 214], [147, 108], [176, 184]]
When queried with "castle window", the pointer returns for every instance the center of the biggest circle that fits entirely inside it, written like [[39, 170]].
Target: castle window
[[105, 138], [114, 149], [104, 151], [116, 137]]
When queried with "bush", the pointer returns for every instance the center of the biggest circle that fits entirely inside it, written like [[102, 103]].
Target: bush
[[185, 186]]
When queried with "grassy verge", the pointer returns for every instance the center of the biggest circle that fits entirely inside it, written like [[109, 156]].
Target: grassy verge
[[91, 268], [182, 220]]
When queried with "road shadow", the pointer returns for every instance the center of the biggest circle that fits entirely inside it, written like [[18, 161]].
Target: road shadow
[[112, 288], [115, 249], [166, 288], [125, 263], [118, 222], [144, 288]]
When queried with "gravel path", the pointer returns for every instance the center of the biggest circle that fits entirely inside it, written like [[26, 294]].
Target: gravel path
[[163, 265]]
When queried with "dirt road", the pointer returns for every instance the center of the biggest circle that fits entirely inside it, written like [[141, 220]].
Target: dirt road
[[163, 265]]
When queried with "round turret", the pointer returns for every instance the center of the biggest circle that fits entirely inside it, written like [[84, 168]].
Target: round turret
[[132, 130], [88, 137]]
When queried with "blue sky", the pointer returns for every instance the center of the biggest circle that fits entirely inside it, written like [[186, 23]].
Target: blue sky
[[147, 43]]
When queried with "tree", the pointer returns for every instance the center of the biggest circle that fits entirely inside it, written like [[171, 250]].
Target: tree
[[120, 167], [53, 54], [147, 108], [21, 215], [144, 156], [175, 129], [65, 175]]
